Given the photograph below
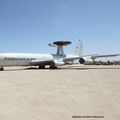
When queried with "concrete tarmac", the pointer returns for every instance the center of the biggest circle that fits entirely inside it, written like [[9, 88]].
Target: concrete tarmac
[[68, 93]]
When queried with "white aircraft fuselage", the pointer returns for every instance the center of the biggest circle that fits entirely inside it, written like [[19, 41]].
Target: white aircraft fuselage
[[22, 59], [26, 59]]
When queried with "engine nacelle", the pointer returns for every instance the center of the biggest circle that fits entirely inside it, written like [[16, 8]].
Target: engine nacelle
[[86, 61], [82, 61]]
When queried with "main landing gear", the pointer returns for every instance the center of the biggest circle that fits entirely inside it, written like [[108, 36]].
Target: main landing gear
[[41, 67], [1, 69], [53, 67]]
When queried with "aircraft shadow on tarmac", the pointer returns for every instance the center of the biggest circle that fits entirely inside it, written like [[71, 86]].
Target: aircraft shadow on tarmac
[[28, 68], [93, 68], [66, 68]]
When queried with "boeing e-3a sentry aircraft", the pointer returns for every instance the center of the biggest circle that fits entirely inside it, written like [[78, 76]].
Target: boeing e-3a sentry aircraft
[[51, 60], [40, 60]]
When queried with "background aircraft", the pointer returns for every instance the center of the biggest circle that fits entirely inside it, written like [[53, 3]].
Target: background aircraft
[[51, 60]]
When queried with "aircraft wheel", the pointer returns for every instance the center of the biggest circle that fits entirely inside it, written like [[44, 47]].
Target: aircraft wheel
[[41, 67], [53, 67], [1, 69]]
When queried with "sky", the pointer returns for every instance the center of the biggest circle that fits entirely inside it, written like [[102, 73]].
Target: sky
[[29, 25]]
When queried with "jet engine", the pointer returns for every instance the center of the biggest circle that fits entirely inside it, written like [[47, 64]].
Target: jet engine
[[86, 61], [81, 60]]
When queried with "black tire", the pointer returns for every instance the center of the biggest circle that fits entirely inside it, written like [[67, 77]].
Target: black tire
[[41, 67], [1, 69], [53, 67]]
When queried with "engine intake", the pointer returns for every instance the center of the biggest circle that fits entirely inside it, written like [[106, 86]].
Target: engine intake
[[82, 61]]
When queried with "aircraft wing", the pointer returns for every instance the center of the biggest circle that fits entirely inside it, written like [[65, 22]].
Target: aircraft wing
[[91, 56], [41, 62], [103, 56]]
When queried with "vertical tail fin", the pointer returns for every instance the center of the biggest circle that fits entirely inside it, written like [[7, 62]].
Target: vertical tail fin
[[79, 48]]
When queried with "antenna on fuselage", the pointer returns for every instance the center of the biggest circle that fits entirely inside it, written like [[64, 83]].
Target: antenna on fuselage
[[59, 45]]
